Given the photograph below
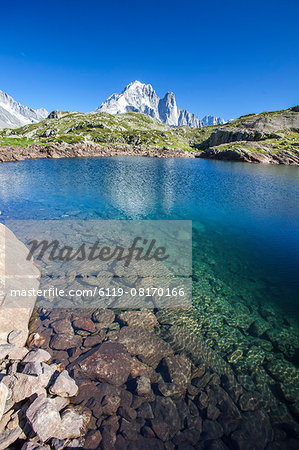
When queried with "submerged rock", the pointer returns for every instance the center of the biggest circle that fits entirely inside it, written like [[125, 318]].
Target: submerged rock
[[109, 363], [149, 347], [140, 319]]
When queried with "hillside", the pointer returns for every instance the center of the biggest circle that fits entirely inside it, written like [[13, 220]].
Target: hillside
[[270, 137]]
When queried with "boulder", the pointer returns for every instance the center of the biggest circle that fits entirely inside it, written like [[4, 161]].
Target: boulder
[[211, 430], [16, 337], [42, 371], [37, 356], [85, 324], [140, 319], [177, 369], [22, 386], [92, 440], [17, 353], [109, 363], [34, 446], [44, 418], [149, 347], [65, 341], [62, 326], [165, 410], [64, 386], [16, 274], [104, 317], [5, 349], [139, 369], [71, 426]]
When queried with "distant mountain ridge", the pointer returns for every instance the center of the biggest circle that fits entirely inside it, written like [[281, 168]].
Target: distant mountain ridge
[[142, 98], [14, 114]]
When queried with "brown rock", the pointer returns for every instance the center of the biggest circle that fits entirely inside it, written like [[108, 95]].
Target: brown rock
[[91, 341], [178, 369], [149, 347], [65, 341], [36, 340], [110, 404], [127, 413], [108, 439], [139, 369], [140, 319], [104, 317], [93, 440], [62, 326], [84, 324], [161, 429], [111, 423]]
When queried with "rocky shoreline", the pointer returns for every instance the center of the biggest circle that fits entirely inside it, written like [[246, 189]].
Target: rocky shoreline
[[91, 150], [34, 395], [144, 390]]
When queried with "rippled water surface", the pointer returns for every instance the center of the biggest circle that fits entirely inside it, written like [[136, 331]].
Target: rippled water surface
[[245, 216], [245, 241]]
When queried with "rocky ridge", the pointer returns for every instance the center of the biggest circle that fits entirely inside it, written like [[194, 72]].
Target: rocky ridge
[[14, 114], [141, 97]]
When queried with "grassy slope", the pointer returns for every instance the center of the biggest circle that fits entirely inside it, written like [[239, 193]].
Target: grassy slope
[[125, 129]]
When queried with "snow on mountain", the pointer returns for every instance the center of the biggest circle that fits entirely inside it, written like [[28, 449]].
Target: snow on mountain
[[13, 114], [140, 97]]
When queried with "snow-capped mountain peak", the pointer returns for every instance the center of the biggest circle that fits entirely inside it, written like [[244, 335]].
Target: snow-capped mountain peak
[[142, 98], [13, 114]]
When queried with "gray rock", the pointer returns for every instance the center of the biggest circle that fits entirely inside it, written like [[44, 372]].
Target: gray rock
[[37, 356], [5, 349], [43, 371], [9, 436], [64, 386], [3, 398], [22, 386], [71, 425], [109, 363], [60, 402], [17, 353]]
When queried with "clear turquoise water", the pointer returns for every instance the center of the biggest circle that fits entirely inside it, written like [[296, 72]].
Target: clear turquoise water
[[245, 216], [245, 246]]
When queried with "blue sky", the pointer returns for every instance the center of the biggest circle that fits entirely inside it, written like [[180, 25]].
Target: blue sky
[[224, 58]]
